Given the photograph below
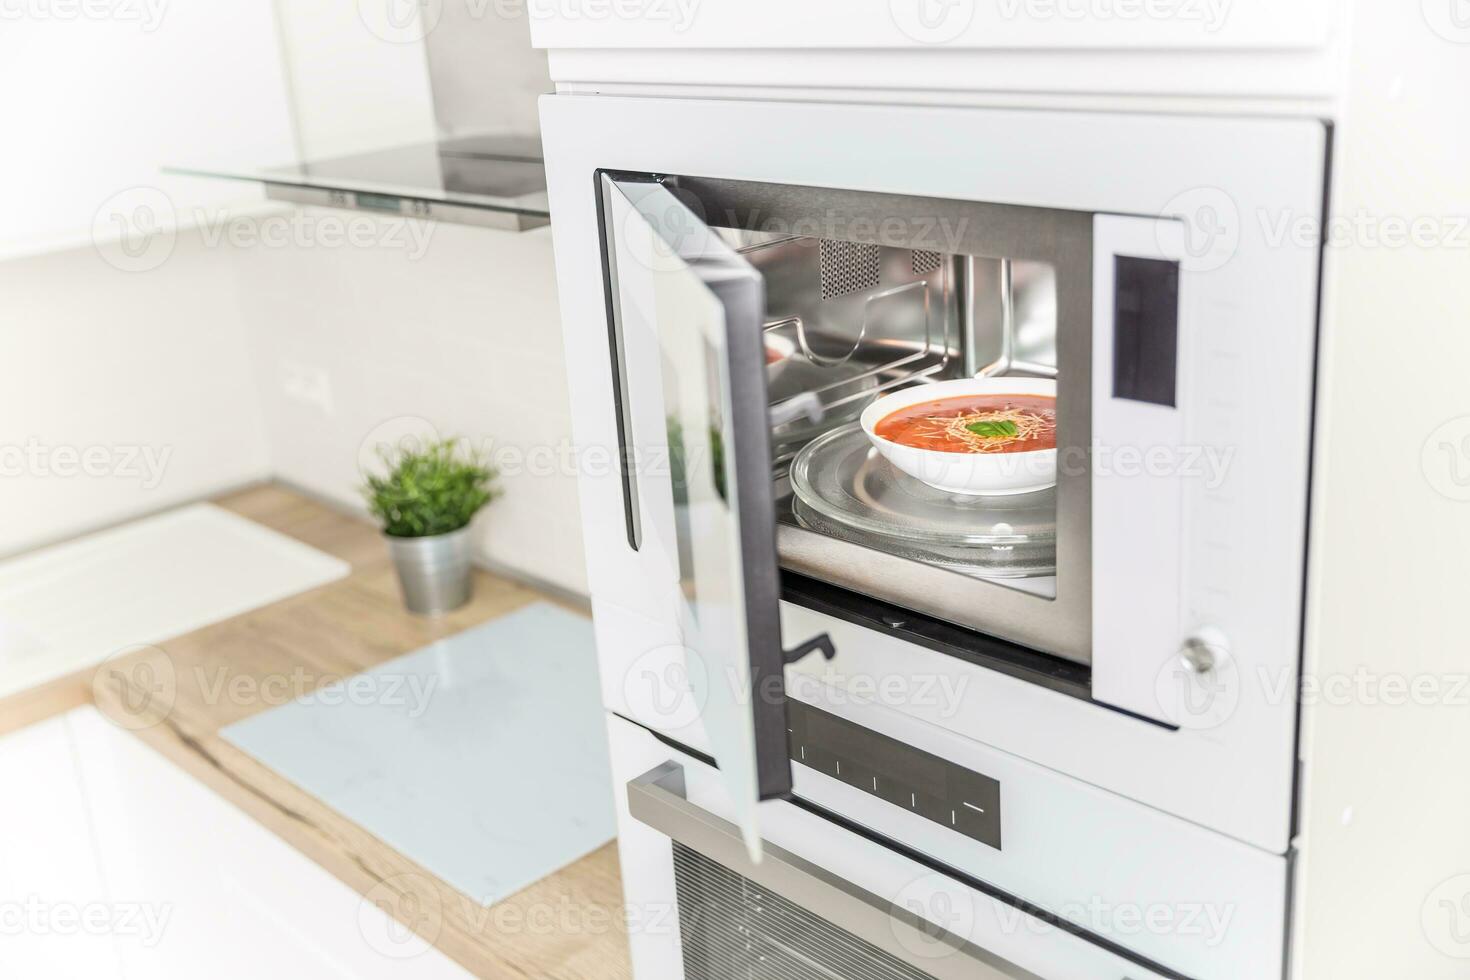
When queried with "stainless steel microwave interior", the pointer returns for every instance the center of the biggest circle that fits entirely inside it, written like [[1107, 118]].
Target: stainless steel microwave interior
[[868, 293]]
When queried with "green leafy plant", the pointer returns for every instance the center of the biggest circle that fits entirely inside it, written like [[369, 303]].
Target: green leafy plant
[[1001, 429], [433, 489]]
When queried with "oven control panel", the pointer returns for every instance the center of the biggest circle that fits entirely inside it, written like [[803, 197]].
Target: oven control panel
[[934, 788]]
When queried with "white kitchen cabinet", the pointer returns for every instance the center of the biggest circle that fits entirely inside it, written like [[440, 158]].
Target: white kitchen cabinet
[[167, 880]]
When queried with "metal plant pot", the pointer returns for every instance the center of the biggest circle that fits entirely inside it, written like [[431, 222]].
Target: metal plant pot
[[433, 572]]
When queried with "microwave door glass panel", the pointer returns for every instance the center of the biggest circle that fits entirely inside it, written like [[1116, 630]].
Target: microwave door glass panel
[[687, 298]]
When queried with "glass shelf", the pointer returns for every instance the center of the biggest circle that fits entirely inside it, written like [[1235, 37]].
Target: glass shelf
[[492, 181]]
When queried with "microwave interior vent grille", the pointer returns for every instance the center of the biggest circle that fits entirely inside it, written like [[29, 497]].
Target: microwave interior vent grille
[[847, 267], [924, 261], [733, 929]]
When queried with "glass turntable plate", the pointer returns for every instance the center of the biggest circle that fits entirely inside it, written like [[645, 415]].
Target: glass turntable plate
[[843, 488]]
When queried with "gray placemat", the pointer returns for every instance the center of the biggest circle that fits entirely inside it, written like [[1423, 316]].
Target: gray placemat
[[482, 757]]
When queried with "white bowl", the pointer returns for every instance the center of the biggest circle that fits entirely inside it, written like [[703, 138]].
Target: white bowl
[[966, 473]]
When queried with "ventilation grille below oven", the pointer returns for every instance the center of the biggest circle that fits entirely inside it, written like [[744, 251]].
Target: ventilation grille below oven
[[924, 261], [733, 929], [847, 267]]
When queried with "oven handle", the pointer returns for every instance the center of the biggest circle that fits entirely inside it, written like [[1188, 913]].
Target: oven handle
[[658, 799]]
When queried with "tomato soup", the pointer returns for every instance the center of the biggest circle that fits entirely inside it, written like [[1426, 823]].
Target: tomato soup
[[991, 423]]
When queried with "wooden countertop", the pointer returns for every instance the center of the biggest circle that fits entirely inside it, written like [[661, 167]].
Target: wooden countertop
[[316, 638]]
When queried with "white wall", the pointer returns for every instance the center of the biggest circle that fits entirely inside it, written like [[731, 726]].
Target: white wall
[[97, 105], [1385, 874], [112, 354], [124, 392], [353, 345]]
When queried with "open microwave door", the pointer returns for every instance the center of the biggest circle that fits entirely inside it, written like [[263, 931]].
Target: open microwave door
[[676, 287]]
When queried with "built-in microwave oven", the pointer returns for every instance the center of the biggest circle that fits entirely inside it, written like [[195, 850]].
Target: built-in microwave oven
[[740, 280]]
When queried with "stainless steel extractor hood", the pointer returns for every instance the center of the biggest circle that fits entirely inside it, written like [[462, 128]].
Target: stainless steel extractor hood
[[484, 169]]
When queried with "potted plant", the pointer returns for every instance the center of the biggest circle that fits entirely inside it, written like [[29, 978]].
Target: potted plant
[[425, 503]]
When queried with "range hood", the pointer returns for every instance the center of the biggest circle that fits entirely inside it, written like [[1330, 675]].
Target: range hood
[[484, 169], [490, 181]]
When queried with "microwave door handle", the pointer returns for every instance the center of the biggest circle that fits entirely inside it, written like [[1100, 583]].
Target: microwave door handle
[[658, 800]]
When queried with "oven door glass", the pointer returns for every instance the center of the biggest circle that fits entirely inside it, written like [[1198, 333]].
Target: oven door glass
[[701, 304]]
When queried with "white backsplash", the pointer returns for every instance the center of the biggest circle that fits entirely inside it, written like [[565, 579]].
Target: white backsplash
[[458, 328]]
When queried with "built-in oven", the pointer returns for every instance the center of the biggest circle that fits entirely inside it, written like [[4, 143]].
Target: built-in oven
[[739, 281], [847, 886]]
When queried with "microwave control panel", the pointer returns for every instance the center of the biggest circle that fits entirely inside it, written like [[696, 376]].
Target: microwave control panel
[[965, 801]]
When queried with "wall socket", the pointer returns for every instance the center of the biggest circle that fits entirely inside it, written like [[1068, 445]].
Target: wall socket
[[306, 384]]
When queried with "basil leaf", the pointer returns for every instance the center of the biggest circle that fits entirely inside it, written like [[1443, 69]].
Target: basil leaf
[[1002, 429]]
